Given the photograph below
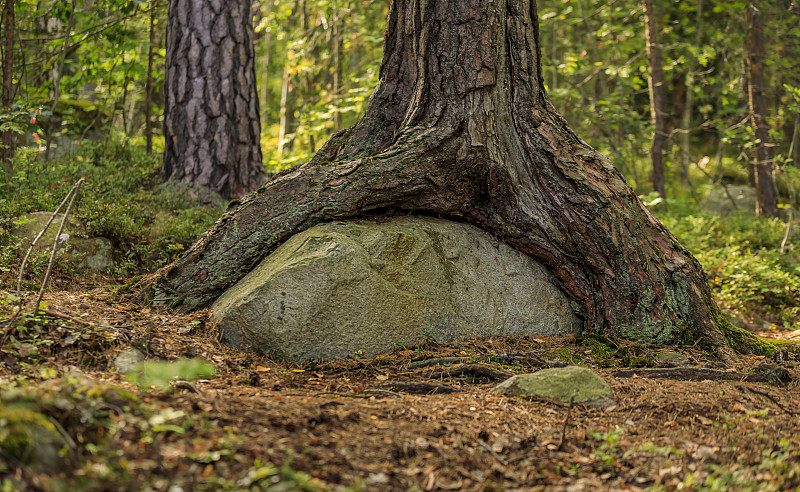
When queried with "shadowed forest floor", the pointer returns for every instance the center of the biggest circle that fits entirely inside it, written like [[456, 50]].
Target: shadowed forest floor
[[262, 424]]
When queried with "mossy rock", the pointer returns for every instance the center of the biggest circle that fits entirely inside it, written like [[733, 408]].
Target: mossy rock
[[30, 438], [574, 383]]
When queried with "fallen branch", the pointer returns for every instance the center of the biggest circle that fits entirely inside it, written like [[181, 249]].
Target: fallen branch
[[786, 235], [72, 194], [492, 452], [71, 197], [474, 371], [441, 361], [421, 388], [566, 422], [382, 393], [702, 374], [745, 389], [514, 359]]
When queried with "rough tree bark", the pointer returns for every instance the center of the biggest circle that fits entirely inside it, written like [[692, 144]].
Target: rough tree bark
[[460, 125], [656, 81], [7, 150], [766, 194], [211, 122]]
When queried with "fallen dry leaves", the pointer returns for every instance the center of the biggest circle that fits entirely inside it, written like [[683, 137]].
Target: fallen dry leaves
[[340, 426]]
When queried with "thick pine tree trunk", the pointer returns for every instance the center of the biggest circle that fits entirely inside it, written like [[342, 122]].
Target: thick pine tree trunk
[[460, 125], [766, 194], [211, 122]]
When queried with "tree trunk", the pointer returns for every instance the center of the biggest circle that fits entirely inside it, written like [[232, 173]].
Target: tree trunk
[[211, 123], [8, 79], [766, 194], [288, 123], [267, 46], [688, 107], [460, 125], [337, 66], [656, 80], [148, 90]]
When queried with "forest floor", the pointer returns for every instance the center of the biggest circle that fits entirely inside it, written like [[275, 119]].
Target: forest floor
[[261, 424]]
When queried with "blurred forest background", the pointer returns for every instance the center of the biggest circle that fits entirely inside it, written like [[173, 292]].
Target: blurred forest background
[[662, 88]]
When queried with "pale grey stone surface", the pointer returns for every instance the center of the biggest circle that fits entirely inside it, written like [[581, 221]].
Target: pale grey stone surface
[[339, 290], [563, 383], [719, 202], [128, 360], [672, 358]]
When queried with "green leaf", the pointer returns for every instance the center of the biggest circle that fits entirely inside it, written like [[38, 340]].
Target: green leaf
[[160, 373]]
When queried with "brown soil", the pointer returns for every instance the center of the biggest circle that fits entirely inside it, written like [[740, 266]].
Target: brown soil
[[346, 423]]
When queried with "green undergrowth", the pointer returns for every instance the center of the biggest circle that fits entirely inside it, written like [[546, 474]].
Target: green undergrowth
[[754, 282], [148, 223]]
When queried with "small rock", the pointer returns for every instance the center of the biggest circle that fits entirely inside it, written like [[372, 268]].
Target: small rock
[[672, 359], [588, 388], [128, 360], [704, 452], [380, 478], [94, 254], [26, 349]]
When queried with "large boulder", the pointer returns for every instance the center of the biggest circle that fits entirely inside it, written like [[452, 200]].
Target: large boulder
[[364, 288], [94, 254]]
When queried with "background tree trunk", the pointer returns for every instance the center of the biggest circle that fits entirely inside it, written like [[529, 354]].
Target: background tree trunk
[[688, 106], [460, 125], [267, 46], [656, 80], [211, 122], [766, 194], [8, 79], [148, 90]]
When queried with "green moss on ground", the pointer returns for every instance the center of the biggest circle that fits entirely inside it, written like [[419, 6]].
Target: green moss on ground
[[742, 341]]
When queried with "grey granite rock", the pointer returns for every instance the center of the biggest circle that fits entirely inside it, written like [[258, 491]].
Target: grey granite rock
[[339, 290]]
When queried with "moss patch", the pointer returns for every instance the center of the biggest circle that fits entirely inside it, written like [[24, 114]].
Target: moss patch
[[742, 341], [28, 436]]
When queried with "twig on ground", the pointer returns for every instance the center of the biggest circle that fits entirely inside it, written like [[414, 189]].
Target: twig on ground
[[700, 374], [36, 240], [786, 236], [492, 452], [474, 370], [72, 194], [382, 393], [441, 361], [187, 386], [343, 395], [566, 422], [420, 388], [745, 389]]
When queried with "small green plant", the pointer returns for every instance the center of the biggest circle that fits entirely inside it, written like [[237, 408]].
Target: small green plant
[[148, 224], [160, 373]]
